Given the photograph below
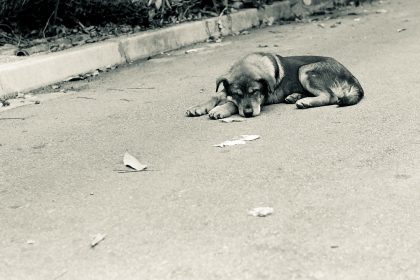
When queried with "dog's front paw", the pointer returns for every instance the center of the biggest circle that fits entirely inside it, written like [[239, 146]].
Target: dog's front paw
[[303, 103], [219, 112], [292, 98], [196, 111]]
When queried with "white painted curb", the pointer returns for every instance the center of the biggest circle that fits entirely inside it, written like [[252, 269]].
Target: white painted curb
[[38, 71]]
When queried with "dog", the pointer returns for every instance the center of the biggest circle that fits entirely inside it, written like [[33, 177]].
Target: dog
[[261, 79]]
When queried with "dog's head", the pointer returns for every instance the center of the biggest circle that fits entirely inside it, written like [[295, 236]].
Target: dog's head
[[248, 83]]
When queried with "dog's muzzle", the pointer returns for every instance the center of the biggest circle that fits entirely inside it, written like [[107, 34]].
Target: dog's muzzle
[[248, 112]]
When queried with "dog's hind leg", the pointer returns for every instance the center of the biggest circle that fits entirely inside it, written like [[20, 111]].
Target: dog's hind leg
[[206, 107], [315, 78]]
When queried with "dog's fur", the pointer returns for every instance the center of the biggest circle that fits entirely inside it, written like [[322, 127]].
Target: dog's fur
[[264, 78]]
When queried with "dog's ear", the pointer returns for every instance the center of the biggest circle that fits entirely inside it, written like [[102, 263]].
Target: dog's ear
[[267, 86], [223, 80]]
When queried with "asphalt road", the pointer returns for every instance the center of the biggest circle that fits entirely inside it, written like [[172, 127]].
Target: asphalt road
[[343, 182]]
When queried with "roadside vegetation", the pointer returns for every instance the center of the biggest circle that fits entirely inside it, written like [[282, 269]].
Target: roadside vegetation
[[31, 26]]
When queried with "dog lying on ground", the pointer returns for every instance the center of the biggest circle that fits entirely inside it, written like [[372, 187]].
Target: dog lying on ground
[[261, 79]]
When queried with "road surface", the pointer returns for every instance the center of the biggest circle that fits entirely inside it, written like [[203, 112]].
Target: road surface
[[343, 182]]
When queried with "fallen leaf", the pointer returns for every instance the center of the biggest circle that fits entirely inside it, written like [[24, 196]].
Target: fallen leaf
[[249, 137], [232, 119], [381, 11], [158, 4], [230, 143], [401, 30], [30, 241], [261, 211], [75, 78], [239, 141], [97, 239], [269, 21], [132, 162], [194, 50], [321, 25]]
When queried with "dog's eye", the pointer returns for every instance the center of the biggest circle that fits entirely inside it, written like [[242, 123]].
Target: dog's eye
[[254, 91], [237, 92]]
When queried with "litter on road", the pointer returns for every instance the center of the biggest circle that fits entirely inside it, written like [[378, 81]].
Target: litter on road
[[133, 163], [237, 141], [261, 211], [97, 239], [232, 119]]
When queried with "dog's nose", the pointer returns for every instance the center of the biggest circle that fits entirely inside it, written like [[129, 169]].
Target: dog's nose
[[248, 112]]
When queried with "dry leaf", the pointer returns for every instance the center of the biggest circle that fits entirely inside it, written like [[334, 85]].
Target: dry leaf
[[193, 50], [261, 211], [230, 143], [401, 30], [132, 162], [249, 137], [239, 141], [96, 239], [232, 119], [158, 4]]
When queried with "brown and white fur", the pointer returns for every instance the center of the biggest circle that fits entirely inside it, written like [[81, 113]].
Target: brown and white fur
[[264, 78]]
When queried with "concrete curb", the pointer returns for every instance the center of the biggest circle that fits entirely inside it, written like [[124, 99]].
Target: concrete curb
[[38, 71]]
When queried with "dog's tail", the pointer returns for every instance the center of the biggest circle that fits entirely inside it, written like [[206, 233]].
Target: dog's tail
[[348, 93]]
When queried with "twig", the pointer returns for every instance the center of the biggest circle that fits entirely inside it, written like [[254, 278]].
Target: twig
[[2, 119], [19, 41], [163, 6], [116, 89], [46, 25], [168, 4], [57, 3], [215, 6], [222, 12], [185, 12]]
